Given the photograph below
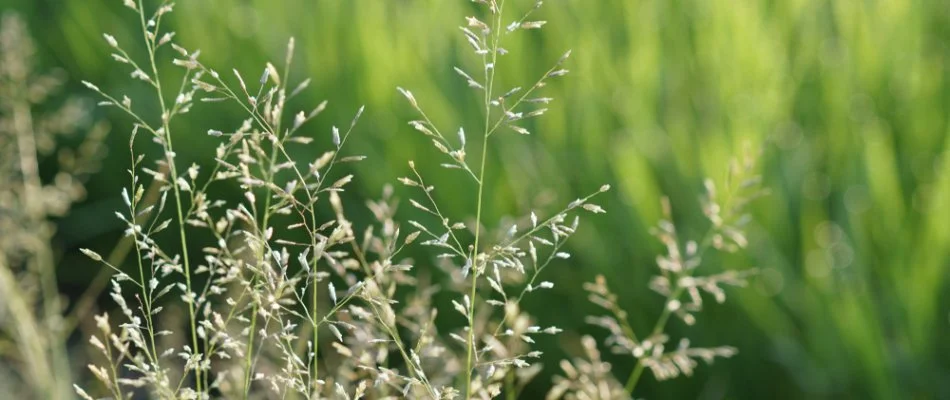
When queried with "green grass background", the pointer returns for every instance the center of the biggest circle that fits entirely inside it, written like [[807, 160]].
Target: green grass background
[[849, 100]]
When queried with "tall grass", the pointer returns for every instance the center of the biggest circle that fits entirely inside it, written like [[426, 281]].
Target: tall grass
[[853, 94], [252, 306]]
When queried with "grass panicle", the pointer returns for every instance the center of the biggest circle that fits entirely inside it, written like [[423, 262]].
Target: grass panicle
[[280, 294]]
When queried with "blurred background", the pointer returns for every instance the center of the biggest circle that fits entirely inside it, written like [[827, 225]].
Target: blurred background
[[849, 101]]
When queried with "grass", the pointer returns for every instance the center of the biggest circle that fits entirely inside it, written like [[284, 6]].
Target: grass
[[247, 273], [660, 96]]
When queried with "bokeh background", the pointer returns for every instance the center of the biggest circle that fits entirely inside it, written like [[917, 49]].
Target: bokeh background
[[849, 101]]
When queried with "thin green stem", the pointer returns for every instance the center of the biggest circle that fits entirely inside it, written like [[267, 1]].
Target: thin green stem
[[489, 86], [315, 302], [474, 261], [250, 352], [269, 175], [150, 45], [657, 329], [143, 282], [510, 393], [634, 378]]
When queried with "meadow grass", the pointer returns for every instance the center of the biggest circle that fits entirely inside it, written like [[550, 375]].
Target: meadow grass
[[859, 178]]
